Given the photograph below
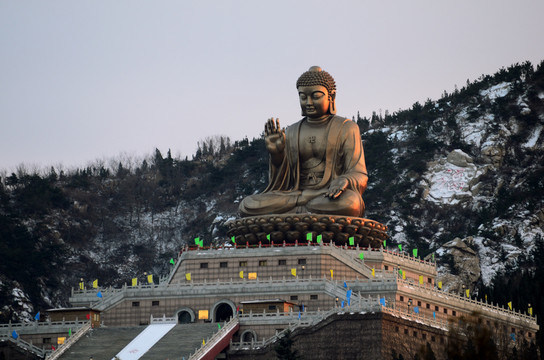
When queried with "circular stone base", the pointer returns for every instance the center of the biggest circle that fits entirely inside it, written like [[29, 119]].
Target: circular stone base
[[296, 227]]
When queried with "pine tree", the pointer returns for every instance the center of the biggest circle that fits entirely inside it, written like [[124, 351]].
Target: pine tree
[[283, 348]]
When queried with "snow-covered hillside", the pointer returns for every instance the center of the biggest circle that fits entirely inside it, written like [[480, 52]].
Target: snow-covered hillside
[[461, 177]]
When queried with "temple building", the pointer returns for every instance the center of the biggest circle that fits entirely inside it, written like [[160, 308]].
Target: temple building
[[242, 298]]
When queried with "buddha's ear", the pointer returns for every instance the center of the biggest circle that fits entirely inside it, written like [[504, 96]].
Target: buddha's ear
[[332, 103]]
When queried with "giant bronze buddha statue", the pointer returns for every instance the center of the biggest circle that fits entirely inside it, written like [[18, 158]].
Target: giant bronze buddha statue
[[317, 165]]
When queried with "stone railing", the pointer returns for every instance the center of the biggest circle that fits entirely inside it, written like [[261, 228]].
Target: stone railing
[[294, 321], [357, 264], [462, 302], [421, 318], [24, 345], [69, 342], [227, 329], [36, 327], [403, 255], [162, 320], [232, 287]]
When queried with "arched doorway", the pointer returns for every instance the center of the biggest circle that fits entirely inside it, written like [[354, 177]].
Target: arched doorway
[[248, 336], [223, 312], [185, 316]]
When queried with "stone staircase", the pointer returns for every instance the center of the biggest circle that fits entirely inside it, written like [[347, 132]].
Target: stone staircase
[[181, 341], [105, 343], [102, 343]]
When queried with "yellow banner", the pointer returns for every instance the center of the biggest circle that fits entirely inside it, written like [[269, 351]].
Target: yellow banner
[[241, 274], [150, 279], [420, 279], [188, 276], [294, 272], [373, 272], [252, 276], [468, 293], [82, 286], [95, 284], [332, 272], [202, 314], [134, 281], [440, 285], [510, 305]]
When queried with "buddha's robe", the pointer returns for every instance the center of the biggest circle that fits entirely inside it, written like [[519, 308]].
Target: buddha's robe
[[300, 182]]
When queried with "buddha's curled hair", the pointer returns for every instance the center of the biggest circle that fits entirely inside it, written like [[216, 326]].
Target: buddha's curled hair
[[317, 76]]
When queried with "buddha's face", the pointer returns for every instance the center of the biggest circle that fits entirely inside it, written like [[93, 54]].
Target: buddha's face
[[314, 100]]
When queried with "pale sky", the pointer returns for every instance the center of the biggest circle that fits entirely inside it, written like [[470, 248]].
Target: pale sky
[[86, 80]]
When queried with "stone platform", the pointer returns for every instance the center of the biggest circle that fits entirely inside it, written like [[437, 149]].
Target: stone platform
[[293, 228]]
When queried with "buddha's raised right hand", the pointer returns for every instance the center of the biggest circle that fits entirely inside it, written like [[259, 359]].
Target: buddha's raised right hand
[[274, 138]]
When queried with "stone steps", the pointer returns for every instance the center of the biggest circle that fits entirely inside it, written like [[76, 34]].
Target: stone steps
[[102, 343], [181, 341]]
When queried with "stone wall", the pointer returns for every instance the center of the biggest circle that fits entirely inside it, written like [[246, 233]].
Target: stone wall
[[358, 336]]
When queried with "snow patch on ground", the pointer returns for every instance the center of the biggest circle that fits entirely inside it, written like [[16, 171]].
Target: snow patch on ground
[[496, 91], [450, 183], [531, 142], [472, 132], [399, 135], [524, 108]]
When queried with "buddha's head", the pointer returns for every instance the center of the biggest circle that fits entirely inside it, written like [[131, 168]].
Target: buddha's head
[[317, 92]]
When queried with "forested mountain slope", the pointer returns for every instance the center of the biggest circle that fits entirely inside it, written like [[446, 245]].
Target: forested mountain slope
[[461, 177]]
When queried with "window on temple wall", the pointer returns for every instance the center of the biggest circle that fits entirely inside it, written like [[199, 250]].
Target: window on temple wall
[[223, 264], [445, 311], [405, 331], [429, 280], [203, 265], [135, 303], [47, 340], [294, 297], [433, 339], [436, 308], [396, 329], [282, 262], [401, 298], [419, 303], [424, 336], [243, 263], [454, 313], [529, 334], [302, 261], [271, 307], [313, 297], [262, 262], [428, 306], [155, 303], [385, 267], [415, 333]]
